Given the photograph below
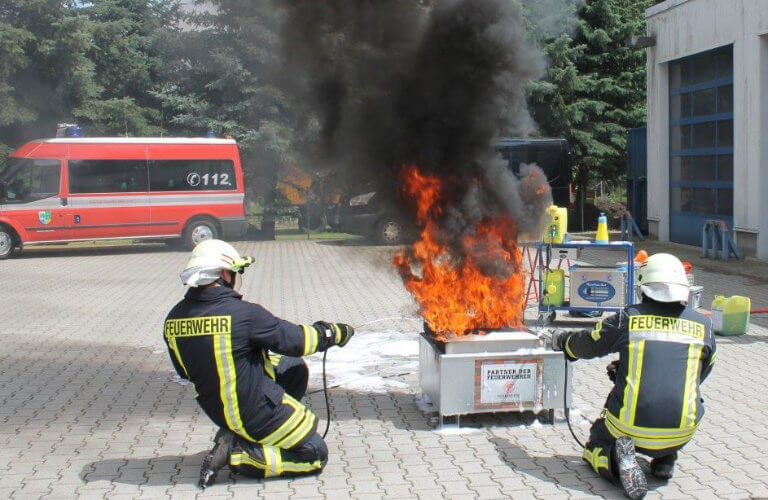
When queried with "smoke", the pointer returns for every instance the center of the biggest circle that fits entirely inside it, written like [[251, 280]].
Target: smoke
[[550, 18], [388, 83]]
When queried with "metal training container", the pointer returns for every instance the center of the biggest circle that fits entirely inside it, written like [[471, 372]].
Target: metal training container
[[502, 371]]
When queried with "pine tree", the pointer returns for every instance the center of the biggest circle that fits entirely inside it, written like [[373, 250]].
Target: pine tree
[[44, 71], [594, 87], [220, 75], [124, 51]]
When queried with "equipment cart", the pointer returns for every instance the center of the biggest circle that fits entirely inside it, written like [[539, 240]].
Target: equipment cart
[[598, 288]]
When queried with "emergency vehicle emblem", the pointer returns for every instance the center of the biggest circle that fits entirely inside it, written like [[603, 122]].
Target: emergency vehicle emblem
[[44, 218]]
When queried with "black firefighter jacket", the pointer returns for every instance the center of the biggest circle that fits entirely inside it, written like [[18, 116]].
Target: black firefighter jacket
[[221, 343], [666, 351]]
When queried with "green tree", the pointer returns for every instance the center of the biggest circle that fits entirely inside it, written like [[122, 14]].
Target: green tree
[[95, 63], [594, 87], [44, 71], [125, 36], [221, 78]]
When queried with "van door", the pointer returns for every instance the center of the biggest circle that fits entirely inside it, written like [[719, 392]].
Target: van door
[[34, 199], [109, 198]]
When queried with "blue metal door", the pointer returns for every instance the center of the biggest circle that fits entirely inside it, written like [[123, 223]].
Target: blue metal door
[[701, 143]]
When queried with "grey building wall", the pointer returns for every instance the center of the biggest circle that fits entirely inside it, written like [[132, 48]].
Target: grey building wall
[[686, 27]]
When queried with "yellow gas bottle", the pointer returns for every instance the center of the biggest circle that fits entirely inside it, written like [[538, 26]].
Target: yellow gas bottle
[[730, 315], [601, 237], [553, 291], [557, 224]]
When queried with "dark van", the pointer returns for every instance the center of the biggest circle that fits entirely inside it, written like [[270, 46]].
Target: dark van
[[379, 218]]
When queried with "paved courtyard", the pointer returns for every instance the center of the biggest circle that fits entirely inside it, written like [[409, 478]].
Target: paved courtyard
[[90, 406]]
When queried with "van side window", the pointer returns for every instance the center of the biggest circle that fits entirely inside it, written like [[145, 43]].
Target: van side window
[[107, 176], [192, 175], [31, 180]]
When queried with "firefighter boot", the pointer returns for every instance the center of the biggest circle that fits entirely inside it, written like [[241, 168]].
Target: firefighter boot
[[216, 458], [630, 474], [664, 467]]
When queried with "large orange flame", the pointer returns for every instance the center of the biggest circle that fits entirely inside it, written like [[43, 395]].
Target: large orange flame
[[457, 293]]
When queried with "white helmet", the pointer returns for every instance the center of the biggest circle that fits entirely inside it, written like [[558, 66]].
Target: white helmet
[[209, 258], [662, 278]]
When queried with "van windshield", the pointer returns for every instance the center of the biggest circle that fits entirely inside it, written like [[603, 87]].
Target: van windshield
[[27, 180]]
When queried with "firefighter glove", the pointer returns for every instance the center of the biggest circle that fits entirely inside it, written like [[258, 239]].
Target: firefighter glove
[[558, 339], [334, 333], [611, 369]]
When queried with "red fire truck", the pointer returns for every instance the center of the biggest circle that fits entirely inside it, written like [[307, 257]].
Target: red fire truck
[[71, 189]]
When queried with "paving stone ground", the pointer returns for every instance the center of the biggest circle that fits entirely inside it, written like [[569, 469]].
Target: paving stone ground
[[90, 406]]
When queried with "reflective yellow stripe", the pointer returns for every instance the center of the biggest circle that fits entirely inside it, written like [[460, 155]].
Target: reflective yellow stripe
[[597, 332], [302, 466], [289, 425], [632, 387], [648, 443], [273, 461], [268, 368], [595, 458], [568, 348], [688, 413], [274, 359], [245, 459], [225, 366], [301, 432], [713, 358], [635, 431], [177, 355], [336, 333], [310, 339], [302, 429]]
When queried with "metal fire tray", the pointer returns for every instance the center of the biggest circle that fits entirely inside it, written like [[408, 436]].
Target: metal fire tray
[[501, 371]]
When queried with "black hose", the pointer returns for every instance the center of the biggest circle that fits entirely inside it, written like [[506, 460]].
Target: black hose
[[327, 402], [565, 402]]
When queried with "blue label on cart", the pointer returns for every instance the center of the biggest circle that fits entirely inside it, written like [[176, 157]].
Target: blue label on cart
[[597, 291]]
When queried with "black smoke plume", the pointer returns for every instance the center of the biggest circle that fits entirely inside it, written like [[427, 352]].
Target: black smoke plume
[[387, 83]]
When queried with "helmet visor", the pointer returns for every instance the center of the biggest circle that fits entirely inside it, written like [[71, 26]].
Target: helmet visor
[[666, 292]]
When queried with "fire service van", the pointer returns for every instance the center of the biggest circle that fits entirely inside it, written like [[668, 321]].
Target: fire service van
[[73, 189]]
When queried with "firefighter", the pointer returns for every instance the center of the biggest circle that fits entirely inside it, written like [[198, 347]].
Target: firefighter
[[247, 370], [666, 350]]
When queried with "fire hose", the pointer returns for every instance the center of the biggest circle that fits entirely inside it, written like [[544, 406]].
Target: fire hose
[[567, 410], [325, 378]]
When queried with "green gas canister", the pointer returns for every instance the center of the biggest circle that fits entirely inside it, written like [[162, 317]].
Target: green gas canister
[[554, 286]]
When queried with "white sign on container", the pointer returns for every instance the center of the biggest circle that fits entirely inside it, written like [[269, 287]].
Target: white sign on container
[[509, 383]]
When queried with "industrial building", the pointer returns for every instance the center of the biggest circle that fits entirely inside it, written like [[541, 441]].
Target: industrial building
[[707, 137]]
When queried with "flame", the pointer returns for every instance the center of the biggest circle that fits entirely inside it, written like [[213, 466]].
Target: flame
[[457, 290]]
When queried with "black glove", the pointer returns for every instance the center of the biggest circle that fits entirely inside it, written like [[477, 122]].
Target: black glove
[[558, 339], [334, 334], [611, 369]]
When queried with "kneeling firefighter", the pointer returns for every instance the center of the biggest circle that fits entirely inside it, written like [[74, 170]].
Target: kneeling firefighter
[[666, 350], [246, 367]]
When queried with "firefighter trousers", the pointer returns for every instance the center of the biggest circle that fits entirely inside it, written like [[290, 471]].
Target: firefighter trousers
[[599, 453], [261, 460]]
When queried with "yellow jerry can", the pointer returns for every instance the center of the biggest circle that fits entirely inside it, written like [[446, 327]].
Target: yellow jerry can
[[557, 224], [730, 315], [553, 291]]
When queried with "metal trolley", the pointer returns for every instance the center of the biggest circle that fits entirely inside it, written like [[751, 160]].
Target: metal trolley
[[548, 312]]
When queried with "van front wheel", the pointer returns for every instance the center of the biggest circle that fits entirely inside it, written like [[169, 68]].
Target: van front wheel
[[7, 243], [198, 231]]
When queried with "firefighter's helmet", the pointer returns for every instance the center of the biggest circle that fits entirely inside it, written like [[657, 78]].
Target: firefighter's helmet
[[662, 278], [209, 258]]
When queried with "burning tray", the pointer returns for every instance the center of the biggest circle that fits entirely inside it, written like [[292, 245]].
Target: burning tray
[[501, 371]]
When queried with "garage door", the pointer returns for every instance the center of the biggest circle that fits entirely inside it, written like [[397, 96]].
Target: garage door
[[701, 143]]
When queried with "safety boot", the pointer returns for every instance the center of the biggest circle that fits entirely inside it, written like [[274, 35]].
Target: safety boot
[[664, 467], [631, 476], [216, 458]]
